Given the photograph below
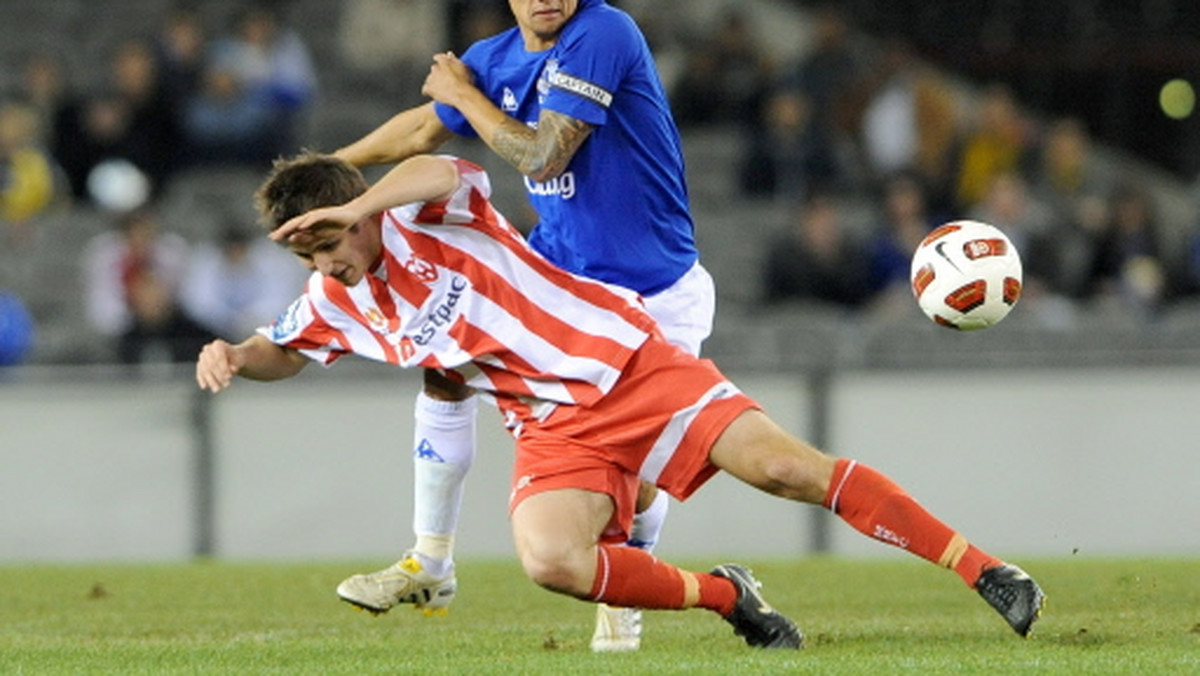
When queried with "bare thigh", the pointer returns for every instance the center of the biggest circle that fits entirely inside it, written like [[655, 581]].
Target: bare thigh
[[756, 450]]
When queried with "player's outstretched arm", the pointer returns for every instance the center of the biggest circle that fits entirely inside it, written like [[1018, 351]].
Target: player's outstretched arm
[[424, 178], [255, 358], [411, 132], [540, 154]]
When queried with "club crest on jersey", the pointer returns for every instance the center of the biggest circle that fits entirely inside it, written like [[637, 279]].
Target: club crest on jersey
[[421, 269], [376, 319], [548, 75], [508, 101]]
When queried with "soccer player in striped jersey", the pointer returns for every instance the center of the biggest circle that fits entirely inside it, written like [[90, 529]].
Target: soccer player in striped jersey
[[419, 270], [572, 99]]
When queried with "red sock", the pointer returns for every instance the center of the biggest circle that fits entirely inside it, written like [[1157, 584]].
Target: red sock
[[716, 593], [633, 578], [875, 506]]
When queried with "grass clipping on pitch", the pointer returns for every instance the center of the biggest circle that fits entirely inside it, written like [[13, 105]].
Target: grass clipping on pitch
[[1103, 616]]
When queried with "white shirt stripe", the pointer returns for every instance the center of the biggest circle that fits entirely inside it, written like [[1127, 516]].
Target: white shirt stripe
[[486, 301]]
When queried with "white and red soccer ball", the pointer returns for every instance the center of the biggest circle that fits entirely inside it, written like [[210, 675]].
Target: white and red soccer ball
[[966, 275]]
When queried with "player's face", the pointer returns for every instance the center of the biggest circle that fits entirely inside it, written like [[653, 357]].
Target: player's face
[[344, 254], [542, 19]]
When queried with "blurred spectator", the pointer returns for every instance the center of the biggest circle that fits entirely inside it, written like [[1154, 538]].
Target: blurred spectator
[[811, 114], [1008, 205], [26, 172], [270, 63], [774, 165], [997, 143], [469, 21], [239, 283], [132, 119], [16, 330], [1064, 173], [1130, 264], [179, 50], [132, 277], [153, 141], [86, 132], [816, 259], [1065, 181], [909, 122], [1190, 272], [1075, 243], [390, 36], [905, 222], [225, 123], [726, 73], [43, 90]]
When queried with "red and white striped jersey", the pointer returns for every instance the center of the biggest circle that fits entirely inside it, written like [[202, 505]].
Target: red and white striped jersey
[[458, 289]]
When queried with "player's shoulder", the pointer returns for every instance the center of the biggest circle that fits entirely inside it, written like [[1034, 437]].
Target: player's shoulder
[[601, 20]]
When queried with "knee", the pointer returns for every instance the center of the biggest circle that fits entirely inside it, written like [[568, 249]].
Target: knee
[[756, 450], [802, 476], [555, 569]]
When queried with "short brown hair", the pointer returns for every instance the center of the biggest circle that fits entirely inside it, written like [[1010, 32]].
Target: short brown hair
[[305, 182]]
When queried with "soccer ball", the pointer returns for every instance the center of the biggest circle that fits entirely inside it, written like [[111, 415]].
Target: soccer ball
[[966, 275]]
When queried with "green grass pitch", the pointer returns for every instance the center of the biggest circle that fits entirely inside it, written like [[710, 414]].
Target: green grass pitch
[[1104, 616]]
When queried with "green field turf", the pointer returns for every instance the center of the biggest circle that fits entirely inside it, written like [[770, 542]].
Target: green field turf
[[860, 617]]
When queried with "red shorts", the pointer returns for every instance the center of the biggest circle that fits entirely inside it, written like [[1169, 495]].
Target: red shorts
[[657, 423]]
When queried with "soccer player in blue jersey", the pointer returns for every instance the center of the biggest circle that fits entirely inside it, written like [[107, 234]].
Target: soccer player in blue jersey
[[570, 97]]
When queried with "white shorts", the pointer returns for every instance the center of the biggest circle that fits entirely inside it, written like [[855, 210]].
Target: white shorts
[[684, 311]]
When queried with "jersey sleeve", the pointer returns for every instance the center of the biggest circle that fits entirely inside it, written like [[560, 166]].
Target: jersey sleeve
[[467, 202], [594, 57], [302, 328], [472, 176], [449, 115], [454, 120]]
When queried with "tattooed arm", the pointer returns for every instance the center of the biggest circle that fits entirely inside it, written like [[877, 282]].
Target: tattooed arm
[[540, 154]]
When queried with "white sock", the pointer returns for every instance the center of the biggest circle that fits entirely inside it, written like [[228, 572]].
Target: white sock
[[443, 450], [648, 525], [434, 553]]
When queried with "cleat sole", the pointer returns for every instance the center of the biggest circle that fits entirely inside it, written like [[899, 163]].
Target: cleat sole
[[358, 607], [1036, 616]]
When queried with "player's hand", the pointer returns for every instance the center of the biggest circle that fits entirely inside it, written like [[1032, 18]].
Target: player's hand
[[218, 363], [339, 215], [447, 77]]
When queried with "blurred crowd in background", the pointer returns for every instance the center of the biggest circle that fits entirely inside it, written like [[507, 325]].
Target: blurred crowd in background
[[862, 142]]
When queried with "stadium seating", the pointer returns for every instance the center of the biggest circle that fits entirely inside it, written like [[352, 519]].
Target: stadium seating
[[731, 231]]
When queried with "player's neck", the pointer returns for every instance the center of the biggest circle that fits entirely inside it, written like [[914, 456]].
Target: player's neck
[[538, 43]]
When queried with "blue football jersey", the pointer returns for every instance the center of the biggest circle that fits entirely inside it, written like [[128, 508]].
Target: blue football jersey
[[619, 212]]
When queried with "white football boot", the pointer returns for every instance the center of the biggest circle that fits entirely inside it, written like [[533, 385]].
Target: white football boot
[[618, 630], [402, 582]]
